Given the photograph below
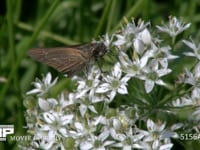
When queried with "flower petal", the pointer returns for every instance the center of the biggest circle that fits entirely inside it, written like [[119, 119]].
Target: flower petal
[[122, 89], [149, 84], [103, 88], [44, 105]]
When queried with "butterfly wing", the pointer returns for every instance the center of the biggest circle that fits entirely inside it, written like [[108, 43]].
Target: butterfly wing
[[67, 59]]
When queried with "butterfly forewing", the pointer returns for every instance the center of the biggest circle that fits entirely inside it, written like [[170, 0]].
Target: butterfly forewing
[[68, 59], [62, 59]]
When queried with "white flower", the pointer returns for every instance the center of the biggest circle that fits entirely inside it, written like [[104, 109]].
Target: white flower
[[159, 137], [151, 75], [114, 83], [43, 144], [194, 47], [193, 78], [107, 40], [69, 101], [3, 79], [48, 104], [134, 29], [86, 104], [132, 67], [123, 40], [195, 116], [56, 123], [43, 86], [88, 85], [138, 46], [99, 142], [57, 119], [181, 102], [161, 54], [130, 32], [145, 36], [157, 130], [174, 27]]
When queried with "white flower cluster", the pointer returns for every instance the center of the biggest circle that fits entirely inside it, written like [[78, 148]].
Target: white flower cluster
[[97, 115], [149, 60]]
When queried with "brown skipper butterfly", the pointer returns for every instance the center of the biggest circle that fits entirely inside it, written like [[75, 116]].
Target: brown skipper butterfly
[[71, 59]]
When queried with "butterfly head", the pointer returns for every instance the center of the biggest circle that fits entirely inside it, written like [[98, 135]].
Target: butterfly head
[[99, 50]]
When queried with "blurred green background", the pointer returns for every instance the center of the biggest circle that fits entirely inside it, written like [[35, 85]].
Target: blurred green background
[[49, 23]]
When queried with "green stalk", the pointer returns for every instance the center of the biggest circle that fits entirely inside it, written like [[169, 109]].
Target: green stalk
[[111, 15], [103, 18], [11, 49], [47, 34], [133, 11], [17, 11], [39, 27]]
